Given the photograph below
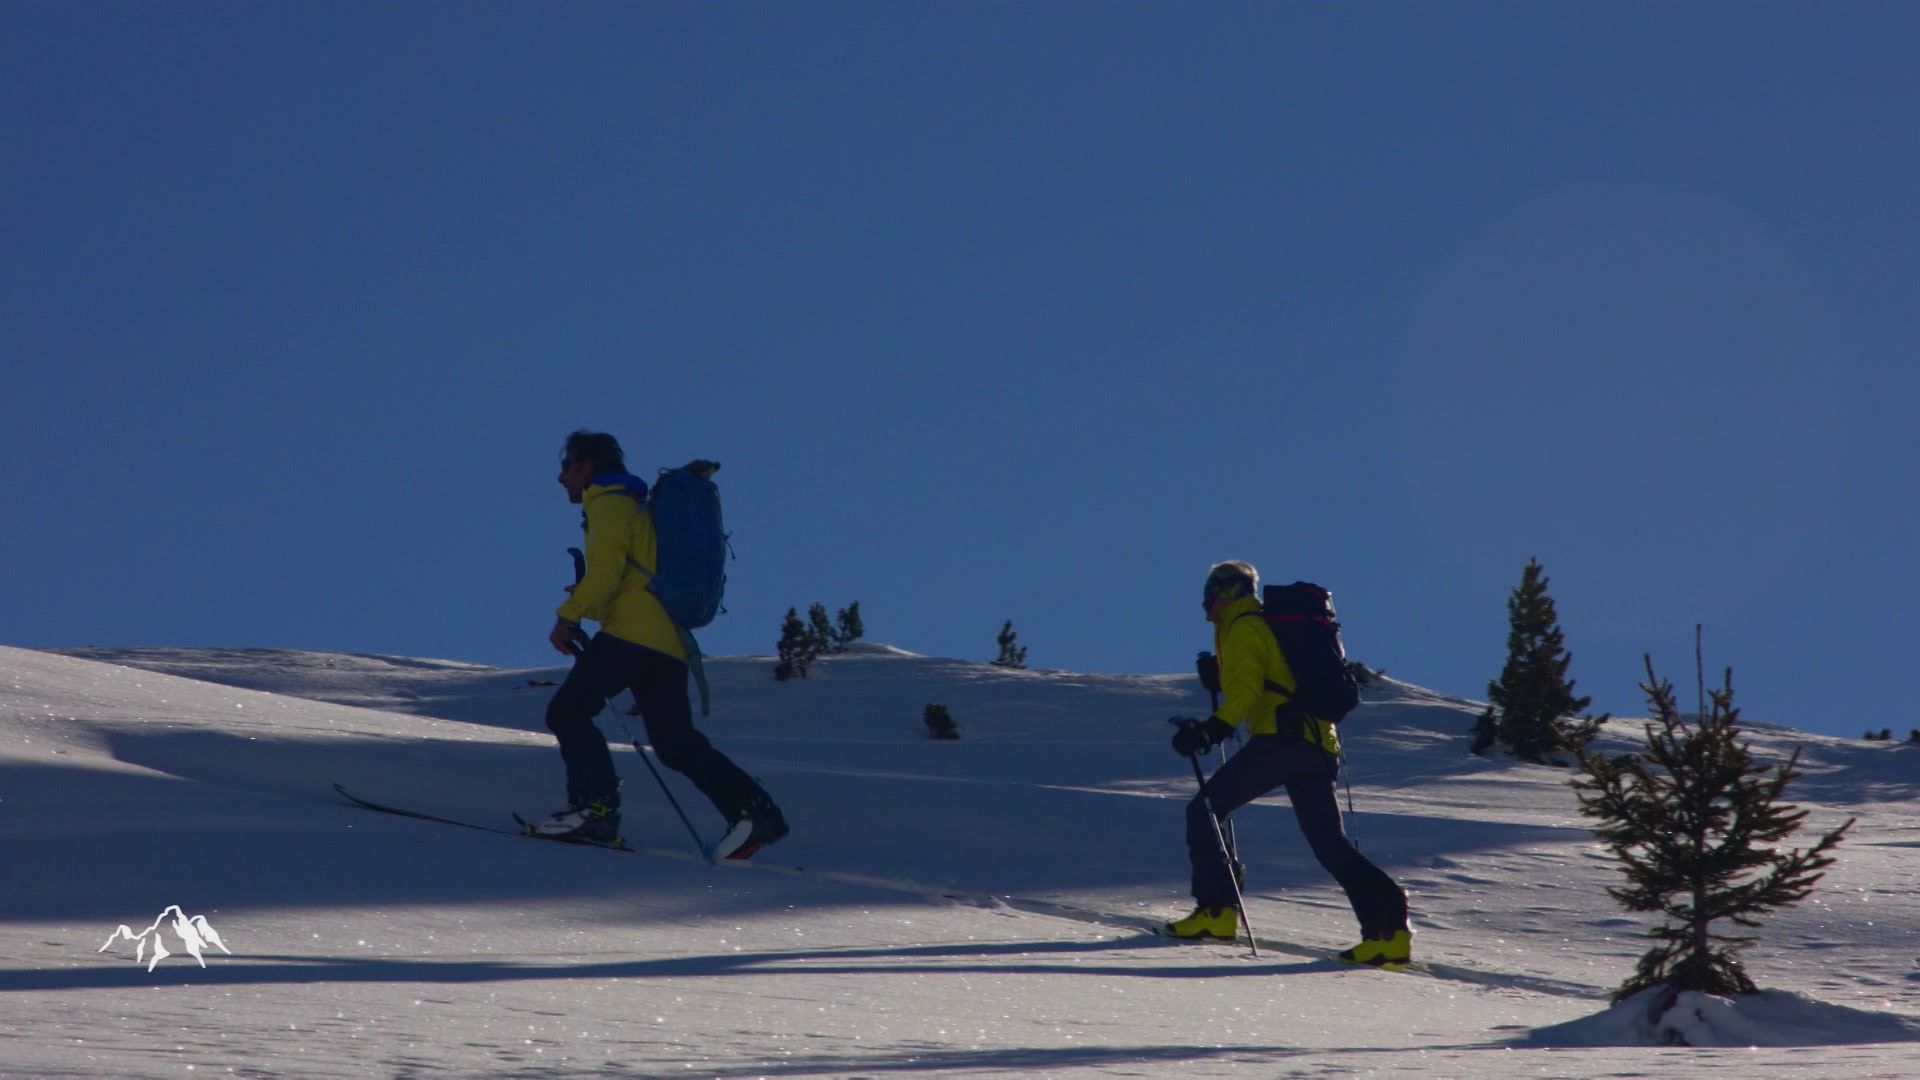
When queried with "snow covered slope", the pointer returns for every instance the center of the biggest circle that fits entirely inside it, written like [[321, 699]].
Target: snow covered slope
[[968, 907]]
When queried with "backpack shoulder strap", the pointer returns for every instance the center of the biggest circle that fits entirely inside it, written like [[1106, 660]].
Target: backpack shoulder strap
[[641, 505], [1266, 619]]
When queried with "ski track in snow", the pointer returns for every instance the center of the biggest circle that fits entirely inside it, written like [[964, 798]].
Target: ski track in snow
[[979, 907]]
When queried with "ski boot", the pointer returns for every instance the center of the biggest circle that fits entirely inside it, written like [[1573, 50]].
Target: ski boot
[[1393, 951], [1216, 923], [756, 827], [582, 823]]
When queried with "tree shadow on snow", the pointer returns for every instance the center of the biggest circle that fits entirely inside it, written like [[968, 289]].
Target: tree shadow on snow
[[1015, 1060], [969, 958]]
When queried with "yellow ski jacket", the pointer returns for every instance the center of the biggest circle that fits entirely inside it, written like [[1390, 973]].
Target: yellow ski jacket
[[613, 593], [1251, 662]]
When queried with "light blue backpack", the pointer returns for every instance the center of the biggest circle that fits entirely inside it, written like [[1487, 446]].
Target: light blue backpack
[[692, 576], [692, 554]]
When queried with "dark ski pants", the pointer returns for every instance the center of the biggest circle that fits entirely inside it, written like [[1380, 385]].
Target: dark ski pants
[[1308, 772], [659, 684]]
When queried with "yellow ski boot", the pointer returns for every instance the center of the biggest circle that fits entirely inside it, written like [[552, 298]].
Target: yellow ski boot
[[1395, 951], [1219, 923]]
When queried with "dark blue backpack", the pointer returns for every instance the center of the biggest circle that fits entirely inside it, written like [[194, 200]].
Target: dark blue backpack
[[1301, 618]]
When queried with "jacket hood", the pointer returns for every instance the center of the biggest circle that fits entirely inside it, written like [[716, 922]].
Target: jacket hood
[[1229, 615], [634, 485], [1240, 607]]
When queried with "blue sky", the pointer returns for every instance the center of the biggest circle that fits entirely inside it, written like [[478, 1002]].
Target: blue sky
[[991, 310]]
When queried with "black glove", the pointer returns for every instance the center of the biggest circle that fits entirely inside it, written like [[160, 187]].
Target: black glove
[[1209, 667], [1197, 736]]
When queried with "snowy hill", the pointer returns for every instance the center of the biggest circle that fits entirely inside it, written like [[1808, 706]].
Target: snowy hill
[[970, 907]]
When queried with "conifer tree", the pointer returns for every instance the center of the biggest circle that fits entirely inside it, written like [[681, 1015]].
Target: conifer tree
[[847, 627], [821, 629], [1486, 732], [801, 643], [1533, 711], [797, 648], [1694, 822], [1011, 656], [939, 723]]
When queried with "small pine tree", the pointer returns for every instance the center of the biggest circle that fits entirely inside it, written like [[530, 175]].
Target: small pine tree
[[1886, 734], [1011, 656], [821, 629], [940, 723], [1363, 675], [1533, 703], [797, 648], [1694, 822], [1486, 732], [1915, 736], [847, 627]]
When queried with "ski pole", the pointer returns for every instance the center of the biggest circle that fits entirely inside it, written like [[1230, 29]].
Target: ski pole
[[1239, 901], [1209, 669], [668, 792], [1233, 840]]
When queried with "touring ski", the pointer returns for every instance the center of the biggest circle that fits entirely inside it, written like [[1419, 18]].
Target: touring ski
[[521, 831], [527, 830]]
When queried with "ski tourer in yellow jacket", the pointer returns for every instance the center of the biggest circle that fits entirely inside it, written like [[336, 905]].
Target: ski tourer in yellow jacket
[[622, 553], [1255, 678], [638, 649]]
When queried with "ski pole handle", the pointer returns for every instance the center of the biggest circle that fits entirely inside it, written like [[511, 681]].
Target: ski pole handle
[[1208, 667]]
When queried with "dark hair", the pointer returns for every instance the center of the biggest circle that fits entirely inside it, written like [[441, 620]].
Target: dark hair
[[598, 447]]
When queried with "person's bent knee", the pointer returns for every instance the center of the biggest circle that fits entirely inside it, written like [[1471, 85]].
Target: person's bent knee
[[566, 713], [672, 755]]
